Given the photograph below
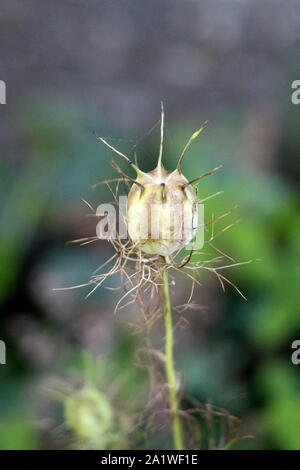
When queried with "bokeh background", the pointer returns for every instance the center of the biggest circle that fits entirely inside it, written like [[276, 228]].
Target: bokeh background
[[75, 67]]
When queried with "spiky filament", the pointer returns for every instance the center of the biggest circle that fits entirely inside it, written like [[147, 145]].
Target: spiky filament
[[162, 119], [118, 153], [193, 137], [203, 176]]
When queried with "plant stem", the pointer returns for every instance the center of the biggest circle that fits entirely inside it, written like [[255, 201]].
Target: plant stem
[[169, 364]]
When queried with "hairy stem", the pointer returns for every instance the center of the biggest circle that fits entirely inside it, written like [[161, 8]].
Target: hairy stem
[[169, 364]]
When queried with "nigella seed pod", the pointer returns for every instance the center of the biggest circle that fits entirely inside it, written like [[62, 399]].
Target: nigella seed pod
[[161, 211], [162, 208]]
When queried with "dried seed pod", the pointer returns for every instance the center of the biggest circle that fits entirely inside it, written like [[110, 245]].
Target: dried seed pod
[[161, 211], [162, 206]]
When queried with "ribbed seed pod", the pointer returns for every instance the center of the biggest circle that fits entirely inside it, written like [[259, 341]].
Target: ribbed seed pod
[[161, 211], [162, 214]]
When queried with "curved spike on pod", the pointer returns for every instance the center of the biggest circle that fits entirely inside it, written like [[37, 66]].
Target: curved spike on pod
[[135, 167], [203, 176], [118, 169], [162, 122], [193, 137]]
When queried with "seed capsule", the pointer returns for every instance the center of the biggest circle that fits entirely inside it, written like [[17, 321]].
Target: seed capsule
[[162, 205], [161, 211]]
